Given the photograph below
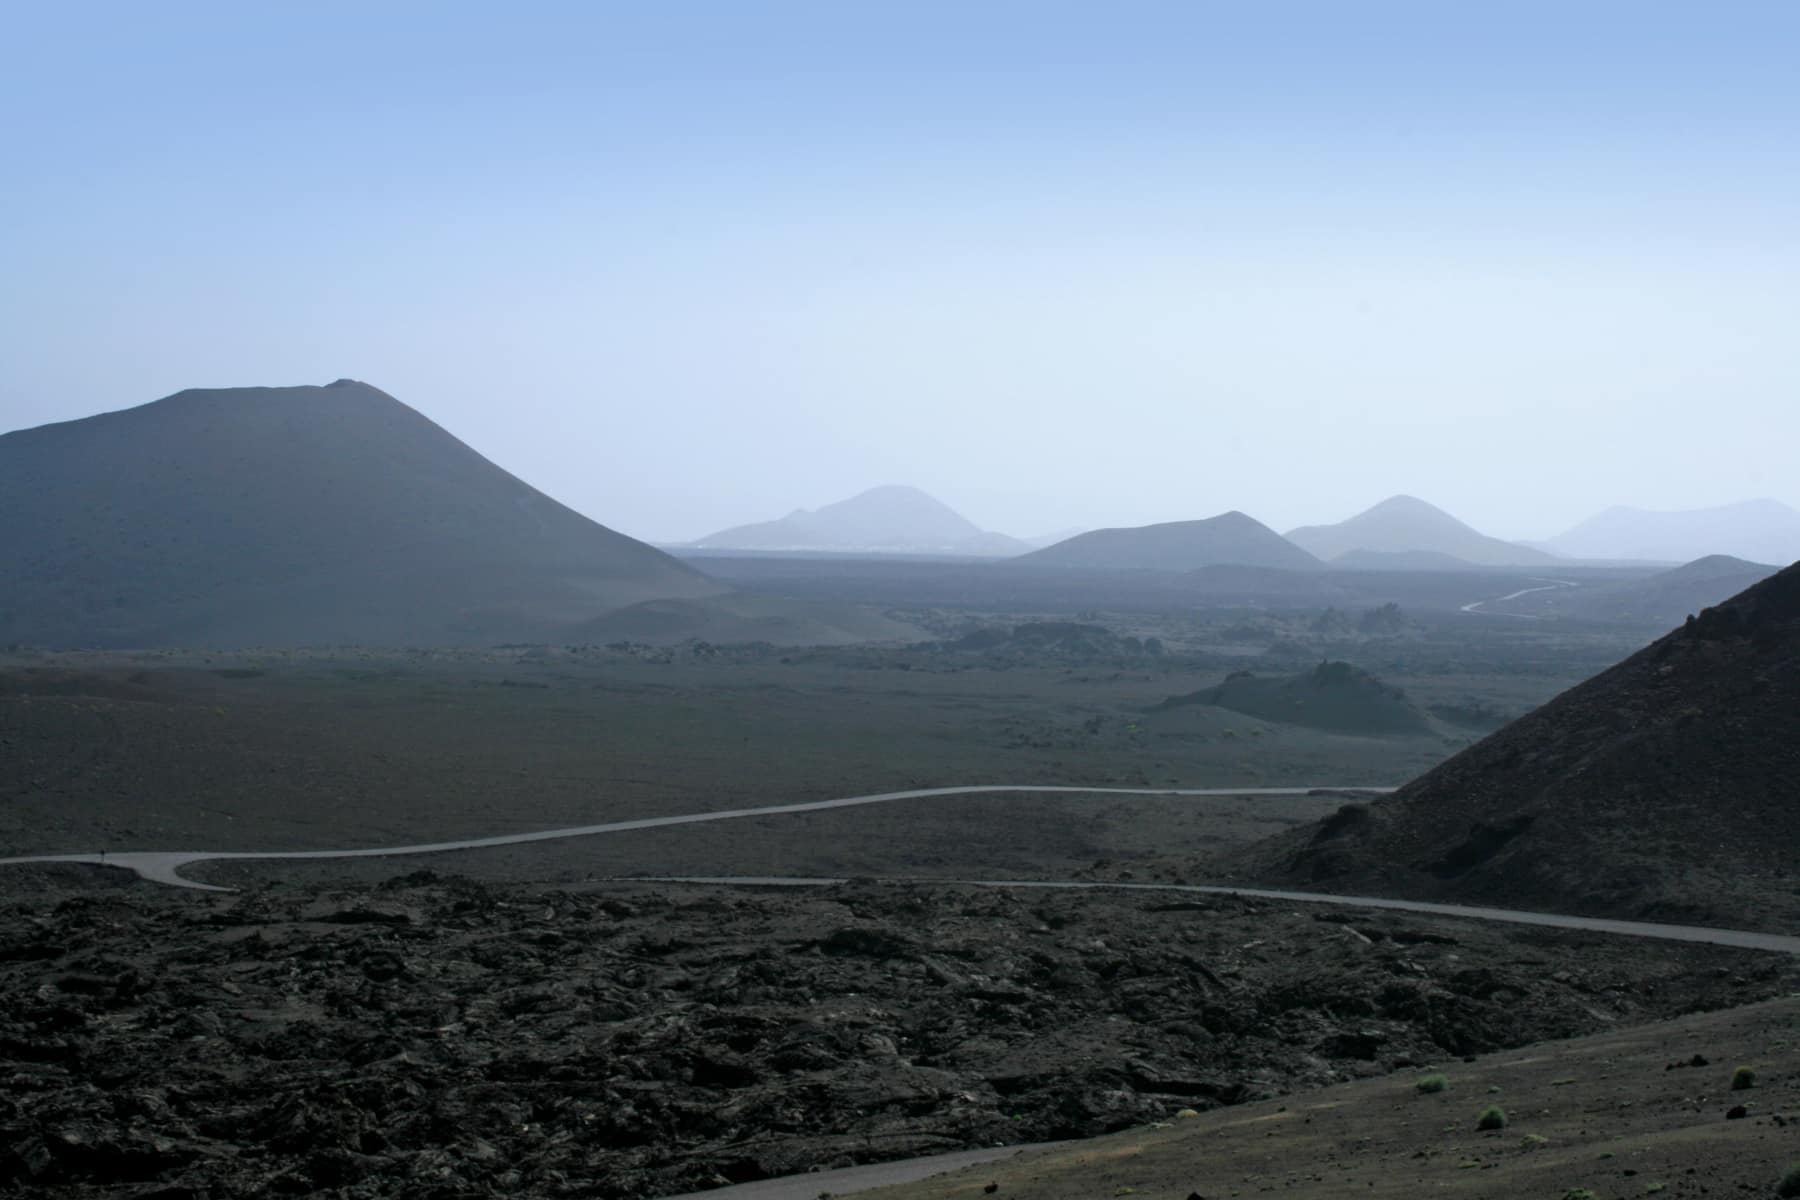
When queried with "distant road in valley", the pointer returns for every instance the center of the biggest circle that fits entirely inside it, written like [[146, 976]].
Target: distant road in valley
[[1548, 585]]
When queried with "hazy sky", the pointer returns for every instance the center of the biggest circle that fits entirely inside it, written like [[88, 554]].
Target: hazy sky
[[687, 264]]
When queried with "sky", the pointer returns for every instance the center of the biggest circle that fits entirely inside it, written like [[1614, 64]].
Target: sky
[[688, 264]]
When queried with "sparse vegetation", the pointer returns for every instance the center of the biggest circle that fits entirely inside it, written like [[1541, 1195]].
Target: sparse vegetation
[[1431, 1084], [1743, 1079], [1790, 1183], [1491, 1118], [1579, 1194]]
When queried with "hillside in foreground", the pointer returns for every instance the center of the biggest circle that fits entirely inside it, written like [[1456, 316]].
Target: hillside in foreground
[[299, 515], [1664, 788]]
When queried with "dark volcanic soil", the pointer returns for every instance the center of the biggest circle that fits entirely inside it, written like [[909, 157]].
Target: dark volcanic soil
[[1662, 789], [435, 1037]]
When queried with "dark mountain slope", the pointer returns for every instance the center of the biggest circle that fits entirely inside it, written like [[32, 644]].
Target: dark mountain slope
[[1666, 787], [1228, 539], [294, 515]]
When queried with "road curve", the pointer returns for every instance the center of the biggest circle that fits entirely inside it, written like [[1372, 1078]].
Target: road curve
[[1741, 938], [164, 866], [1551, 585]]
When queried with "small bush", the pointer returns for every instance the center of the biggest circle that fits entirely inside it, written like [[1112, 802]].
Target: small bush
[[1790, 1183], [1491, 1118], [1433, 1083], [1743, 1079], [1579, 1194]]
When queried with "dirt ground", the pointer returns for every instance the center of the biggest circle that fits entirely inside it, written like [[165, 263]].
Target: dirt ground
[[438, 1037], [262, 753], [1643, 1111]]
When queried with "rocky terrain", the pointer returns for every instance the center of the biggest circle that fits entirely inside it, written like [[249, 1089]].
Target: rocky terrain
[[1647, 1110], [433, 1037]]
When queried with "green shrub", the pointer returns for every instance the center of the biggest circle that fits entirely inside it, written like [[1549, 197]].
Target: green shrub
[[1433, 1083], [1790, 1183], [1579, 1194], [1743, 1079], [1491, 1118]]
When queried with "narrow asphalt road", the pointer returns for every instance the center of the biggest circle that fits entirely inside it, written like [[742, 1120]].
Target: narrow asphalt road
[[164, 866], [1742, 938], [1550, 585]]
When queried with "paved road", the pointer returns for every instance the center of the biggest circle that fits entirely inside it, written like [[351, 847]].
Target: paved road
[[1741, 938], [1550, 585], [164, 866]]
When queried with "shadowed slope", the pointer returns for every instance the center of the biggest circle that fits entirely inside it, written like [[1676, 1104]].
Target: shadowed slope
[[1665, 787], [294, 515]]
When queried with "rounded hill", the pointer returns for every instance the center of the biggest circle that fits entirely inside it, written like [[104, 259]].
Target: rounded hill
[[1230, 539], [296, 515], [1333, 696]]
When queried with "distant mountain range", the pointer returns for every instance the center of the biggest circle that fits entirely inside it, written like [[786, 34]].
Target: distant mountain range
[[1230, 539], [306, 516], [883, 520], [1402, 533], [1406, 533], [1760, 531]]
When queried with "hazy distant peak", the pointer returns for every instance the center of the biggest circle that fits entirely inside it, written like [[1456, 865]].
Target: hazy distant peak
[[1760, 504], [892, 518], [1230, 539], [1760, 531], [1408, 505], [1410, 526]]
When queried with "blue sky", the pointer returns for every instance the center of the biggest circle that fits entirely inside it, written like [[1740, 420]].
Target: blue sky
[[688, 264]]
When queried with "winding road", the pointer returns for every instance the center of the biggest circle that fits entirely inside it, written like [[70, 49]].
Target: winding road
[[164, 866], [1550, 585]]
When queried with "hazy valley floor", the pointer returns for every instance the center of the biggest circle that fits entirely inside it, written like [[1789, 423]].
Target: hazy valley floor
[[506, 1024]]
